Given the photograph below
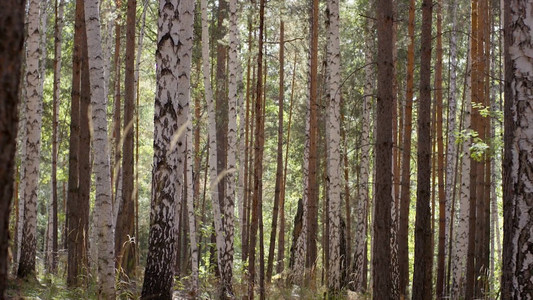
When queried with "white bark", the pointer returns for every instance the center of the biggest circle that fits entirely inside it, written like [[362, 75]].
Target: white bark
[[451, 148], [333, 144], [185, 31], [230, 196], [103, 205], [459, 251], [211, 115], [362, 203], [520, 53], [32, 141]]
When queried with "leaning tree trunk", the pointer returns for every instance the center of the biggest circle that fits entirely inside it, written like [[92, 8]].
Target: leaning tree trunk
[[11, 16], [460, 238], [333, 153], [32, 136], [518, 191]]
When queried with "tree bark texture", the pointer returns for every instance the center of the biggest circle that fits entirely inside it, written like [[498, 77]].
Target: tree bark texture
[[11, 16], [423, 245], [333, 150], [32, 139], [381, 256], [125, 237], [518, 192]]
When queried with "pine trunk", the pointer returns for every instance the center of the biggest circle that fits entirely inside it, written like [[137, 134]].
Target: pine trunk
[[423, 245], [11, 48], [279, 160], [125, 237], [381, 256]]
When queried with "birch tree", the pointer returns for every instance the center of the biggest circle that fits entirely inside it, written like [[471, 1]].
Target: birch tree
[[451, 147], [106, 263], [518, 191], [12, 16], [333, 144], [459, 250], [360, 260], [32, 140]]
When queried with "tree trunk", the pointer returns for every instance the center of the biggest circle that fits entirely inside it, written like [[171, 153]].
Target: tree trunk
[[451, 149], [440, 154], [312, 185], [171, 107], [381, 256], [333, 152], [74, 225], [359, 260], [58, 29], [258, 159], [279, 160], [32, 135], [11, 47], [281, 244], [103, 205], [518, 212], [459, 251], [405, 189], [423, 244], [125, 237]]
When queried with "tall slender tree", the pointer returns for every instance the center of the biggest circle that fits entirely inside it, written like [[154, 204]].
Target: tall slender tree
[[381, 252], [333, 152], [168, 112], [125, 230], [106, 263], [32, 140], [423, 254], [11, 16], [405, 189], [518, 212]]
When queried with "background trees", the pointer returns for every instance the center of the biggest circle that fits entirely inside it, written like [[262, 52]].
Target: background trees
[[270, 133]]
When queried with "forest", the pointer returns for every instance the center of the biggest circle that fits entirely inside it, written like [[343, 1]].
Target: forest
[[281, 149]]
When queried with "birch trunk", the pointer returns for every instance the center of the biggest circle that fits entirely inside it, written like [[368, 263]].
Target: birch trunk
[[58, 40], [11, 46], [185, 31], [359, 261], [458, 257], [451, 147], [213, 174], [333, 146], [32, 135], [230, 195], [518, 186], [158, 276], [103, 205]]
